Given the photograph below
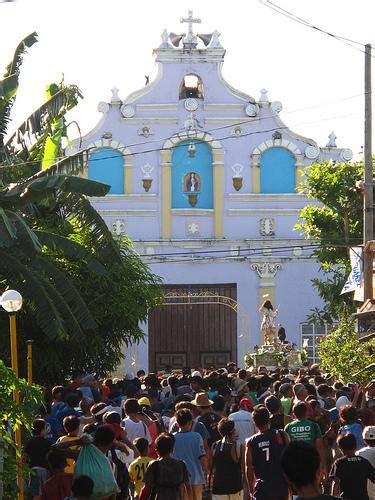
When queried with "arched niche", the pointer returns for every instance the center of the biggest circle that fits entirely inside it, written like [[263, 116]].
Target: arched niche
[[106, 165], [191, 86], [192, 173], [277, 171]]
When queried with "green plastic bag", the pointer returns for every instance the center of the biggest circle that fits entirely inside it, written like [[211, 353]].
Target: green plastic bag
[[91, 462]]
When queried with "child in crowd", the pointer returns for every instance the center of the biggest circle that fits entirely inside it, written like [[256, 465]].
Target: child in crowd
[[71, 427], [138, 467], [301, 465], [82, 489], [368, 452], [59, 485], [35, 452], [348, 418], [134, 426], [350, 473], [166, 477]]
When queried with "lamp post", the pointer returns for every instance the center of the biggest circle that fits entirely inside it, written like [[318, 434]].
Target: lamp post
[[11, 301], [29, 344]]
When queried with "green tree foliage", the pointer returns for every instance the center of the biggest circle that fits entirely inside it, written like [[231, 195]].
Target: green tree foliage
[[343, 356], [84, 293], [335, 222], [21, 415]]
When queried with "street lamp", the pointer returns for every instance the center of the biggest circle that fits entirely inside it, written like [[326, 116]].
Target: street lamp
[[11, 301]]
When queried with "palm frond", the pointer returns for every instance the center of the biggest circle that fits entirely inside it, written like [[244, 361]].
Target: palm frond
[[79, 207], [71, 250], [73, 308], [13, 70], [29, 284], [15, 64], [27, 134]]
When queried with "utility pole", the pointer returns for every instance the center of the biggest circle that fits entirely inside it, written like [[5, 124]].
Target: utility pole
[[368, 199]]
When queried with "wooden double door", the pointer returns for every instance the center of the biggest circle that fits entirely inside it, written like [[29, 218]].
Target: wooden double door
[[200, 333]]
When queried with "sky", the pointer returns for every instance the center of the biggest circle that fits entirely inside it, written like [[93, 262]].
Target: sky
[[101, 44]]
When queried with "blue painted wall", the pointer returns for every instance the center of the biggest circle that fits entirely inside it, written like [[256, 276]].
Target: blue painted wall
[[201, 164], [277, 171], [106, 165]]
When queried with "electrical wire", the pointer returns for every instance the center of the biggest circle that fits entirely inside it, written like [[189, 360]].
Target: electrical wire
[[135, 153], [280, 10], [245, 251]]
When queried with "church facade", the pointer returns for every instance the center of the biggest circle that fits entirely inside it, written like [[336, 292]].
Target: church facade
[[203, 179]]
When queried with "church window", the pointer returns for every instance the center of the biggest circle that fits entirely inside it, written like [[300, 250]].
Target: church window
[[106, 165], [192, 175], [191, 86], [277, 171]]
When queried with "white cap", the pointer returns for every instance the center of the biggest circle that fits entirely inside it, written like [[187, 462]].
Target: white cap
[[196, 373]]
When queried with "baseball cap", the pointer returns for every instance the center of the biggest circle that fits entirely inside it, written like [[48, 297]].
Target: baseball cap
[[272, 404], [369, 433], [144, 402]]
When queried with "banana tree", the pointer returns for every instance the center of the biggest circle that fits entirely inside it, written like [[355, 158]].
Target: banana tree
[[26, 201]]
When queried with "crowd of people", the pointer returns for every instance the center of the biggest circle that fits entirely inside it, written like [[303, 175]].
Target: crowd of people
[[225, 434]]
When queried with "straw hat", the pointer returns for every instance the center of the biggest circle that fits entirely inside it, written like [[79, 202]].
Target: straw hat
[[201, 399]]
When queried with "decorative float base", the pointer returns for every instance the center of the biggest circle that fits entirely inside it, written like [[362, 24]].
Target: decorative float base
[[274, 356]]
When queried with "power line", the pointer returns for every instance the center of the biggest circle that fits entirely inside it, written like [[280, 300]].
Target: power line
[[280, 10], [135, 153], [245, 251]]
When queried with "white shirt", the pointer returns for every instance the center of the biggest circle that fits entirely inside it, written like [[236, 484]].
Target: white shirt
[[244, 424], [369, 454], [136, 430]]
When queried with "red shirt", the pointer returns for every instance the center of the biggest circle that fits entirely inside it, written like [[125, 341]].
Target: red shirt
[[58, 487]]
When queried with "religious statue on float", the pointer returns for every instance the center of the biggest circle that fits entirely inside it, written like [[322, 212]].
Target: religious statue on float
[[268, 325]]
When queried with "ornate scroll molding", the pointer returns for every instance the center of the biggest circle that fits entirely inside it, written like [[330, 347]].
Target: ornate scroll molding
[[266, 269]]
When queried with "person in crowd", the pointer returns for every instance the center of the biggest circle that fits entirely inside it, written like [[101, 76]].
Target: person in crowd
[[35, 455], [82, 489], [286, 392], [350, 473], [303, 429], [300, 392], [59, 485], [301, 465], [196, 383], [265, 383], [189, 448], [71, 428], [86, 417], [278, 419], [57, 399], [139, 466], [135, 427], [53, 425], [166, 478], [243, 420], [263, 452], [348, 416], [206, 416], [253, 386], [368, 452], [72, 400], [219, 406], [228, 463]]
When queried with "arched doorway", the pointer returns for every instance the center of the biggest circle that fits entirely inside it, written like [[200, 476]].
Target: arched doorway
[[198, 326]]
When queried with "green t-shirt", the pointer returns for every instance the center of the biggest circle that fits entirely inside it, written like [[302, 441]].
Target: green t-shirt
[[253, 396], [303, 430], [286, 403]]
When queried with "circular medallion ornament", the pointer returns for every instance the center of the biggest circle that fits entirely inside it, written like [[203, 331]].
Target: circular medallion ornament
[[251, 110], [276, 106], [103, 107], [312, 152], [127, 111], [346, 154], [191, 104]]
